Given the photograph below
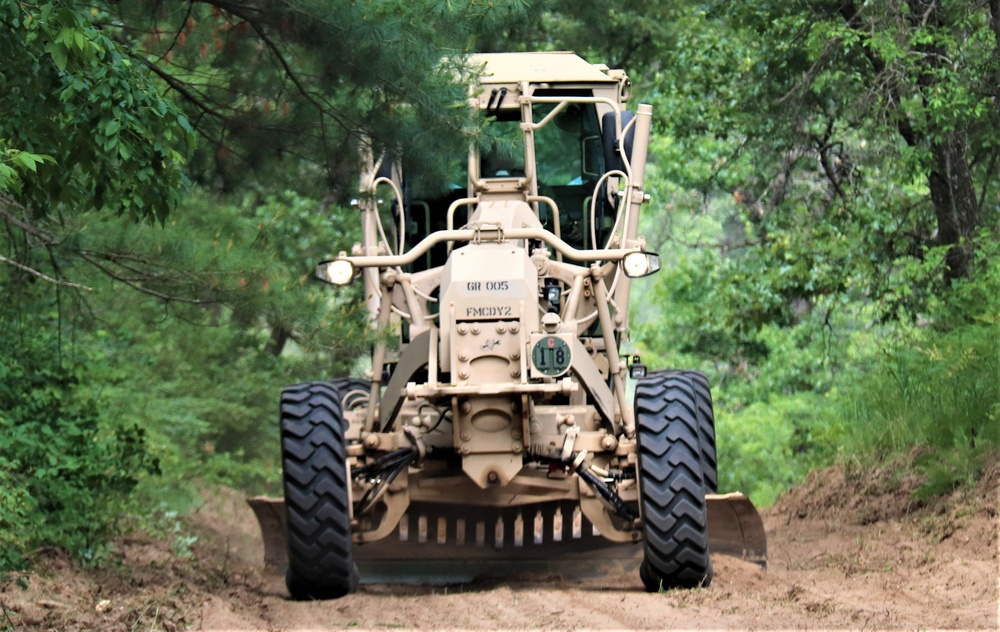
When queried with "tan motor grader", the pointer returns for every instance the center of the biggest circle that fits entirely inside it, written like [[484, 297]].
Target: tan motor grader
[[497, 434]]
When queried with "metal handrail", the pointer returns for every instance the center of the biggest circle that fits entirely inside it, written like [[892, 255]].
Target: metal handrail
[[489, 234]]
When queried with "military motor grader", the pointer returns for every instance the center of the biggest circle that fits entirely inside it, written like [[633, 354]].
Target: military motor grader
[[498, 432]]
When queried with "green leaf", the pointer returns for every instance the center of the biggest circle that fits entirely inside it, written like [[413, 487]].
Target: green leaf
[[58, 53], [25, 160]]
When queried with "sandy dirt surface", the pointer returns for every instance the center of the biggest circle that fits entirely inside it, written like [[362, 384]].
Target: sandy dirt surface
[[846, 551]]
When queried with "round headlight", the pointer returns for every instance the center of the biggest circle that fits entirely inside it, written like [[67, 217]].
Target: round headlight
[[338, 271], [635, 264], [640, 264]]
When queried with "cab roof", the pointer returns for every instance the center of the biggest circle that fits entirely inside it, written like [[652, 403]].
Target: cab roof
[[559, 67]]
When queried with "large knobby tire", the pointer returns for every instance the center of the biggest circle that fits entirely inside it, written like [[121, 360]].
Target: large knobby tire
[[706, 425], [317, 492], [671, 483]]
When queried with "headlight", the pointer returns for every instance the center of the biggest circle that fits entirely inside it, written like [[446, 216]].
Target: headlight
[[640, 264], [338, 271]]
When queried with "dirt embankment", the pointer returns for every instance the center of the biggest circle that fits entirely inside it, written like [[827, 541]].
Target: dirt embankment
[[845, 552]]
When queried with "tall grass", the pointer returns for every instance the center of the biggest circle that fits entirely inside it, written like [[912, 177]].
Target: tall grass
[[934, 394], [926, 394]]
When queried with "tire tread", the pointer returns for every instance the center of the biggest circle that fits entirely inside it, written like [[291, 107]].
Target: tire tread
[[672, 463], [317, 490]]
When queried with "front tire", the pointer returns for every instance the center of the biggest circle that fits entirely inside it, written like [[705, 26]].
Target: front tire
[[317, 492], [706, 424], [672, 482]]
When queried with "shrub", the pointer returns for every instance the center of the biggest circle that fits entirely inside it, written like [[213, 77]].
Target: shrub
[[65, 477], [767, 447]]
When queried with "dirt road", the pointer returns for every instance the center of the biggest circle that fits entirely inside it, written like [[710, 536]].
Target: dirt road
[[846, 552]]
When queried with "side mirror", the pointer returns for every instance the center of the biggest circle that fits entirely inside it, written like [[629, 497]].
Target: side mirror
[[612, 158]]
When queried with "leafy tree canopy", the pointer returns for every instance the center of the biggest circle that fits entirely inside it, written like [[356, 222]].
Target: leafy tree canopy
[[872, 125], [303, 83], [82, 125]]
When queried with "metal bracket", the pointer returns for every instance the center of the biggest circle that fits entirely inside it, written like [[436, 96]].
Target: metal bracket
[[569, 442], [479, 227], [413, 434]]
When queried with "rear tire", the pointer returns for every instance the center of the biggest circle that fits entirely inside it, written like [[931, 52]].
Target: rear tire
[[317, 491], [672, 482], [351, 392]]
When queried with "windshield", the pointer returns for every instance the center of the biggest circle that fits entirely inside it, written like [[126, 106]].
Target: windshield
[[502, 155], [569, 160], [568, 149]]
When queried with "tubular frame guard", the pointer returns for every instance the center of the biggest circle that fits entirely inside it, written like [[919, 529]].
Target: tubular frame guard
[[488, 234]]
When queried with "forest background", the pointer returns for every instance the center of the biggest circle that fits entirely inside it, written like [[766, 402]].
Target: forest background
[[825, 200]]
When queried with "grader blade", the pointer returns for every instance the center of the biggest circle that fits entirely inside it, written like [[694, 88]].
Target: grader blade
[[440, 543], [735, 528]]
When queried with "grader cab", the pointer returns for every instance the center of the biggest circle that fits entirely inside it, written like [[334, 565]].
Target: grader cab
[[497, 433]]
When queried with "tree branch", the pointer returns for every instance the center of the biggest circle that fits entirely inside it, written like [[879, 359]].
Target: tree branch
[[139, 288], [7, 202], [810, 74], [306, 94], [852, 17], [823, 147], [182, 89], [42, 276]]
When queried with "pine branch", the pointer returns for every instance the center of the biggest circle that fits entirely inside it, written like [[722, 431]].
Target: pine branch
[[306, 94], [182, 88], [137, 286], [43, 276]]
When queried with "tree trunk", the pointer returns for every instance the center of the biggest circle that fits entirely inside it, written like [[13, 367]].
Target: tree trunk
[[276, 343], [955, 204], [995, 23]]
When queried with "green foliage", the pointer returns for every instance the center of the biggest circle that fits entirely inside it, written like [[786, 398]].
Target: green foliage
[[801, 148], [14, 163], [852, 139], [717, 310], [800, 385], [828, 171], [192, 326], [769, 446], [65, 473], [935, 389], [327, 77], [167, 525], [83, 117], [199, 373], [202, 375]]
